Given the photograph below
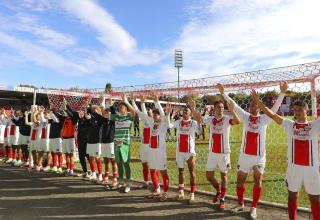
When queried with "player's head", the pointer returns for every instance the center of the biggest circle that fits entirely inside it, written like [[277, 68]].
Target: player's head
[[81, 113], [105, 112], [18, 113], [218, 108], [149, 111], [156, 115], [123, 108], [186, 113], [46, 114], [254, 107], [300, 110]]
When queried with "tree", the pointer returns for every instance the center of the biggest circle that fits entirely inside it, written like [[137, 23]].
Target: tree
[[108, 88]]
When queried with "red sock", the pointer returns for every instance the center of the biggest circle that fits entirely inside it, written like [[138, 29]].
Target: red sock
[[192, 187], [106, 174], [181, 181], [10, 152], [165, 178], [19, 155], [158, 174], [60, 157], [315, 209], [71, 165], [256, 192], [68, 165], [292, 209], [240, 194], [115, 175], [94, 165], [155, 179], [26, 157], [14, 155], [145, 170], [218, 188], [223, 192], [99, 164], [91, 165], [54, 159], [2, 154]]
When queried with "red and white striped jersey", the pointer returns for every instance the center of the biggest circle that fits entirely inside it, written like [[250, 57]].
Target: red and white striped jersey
[[146, 133], [186, 135], [219, 133], [302, 142], [13, 130], [158, 131], [4, 122], [255, 129]]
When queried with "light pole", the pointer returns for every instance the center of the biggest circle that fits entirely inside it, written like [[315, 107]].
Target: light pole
[[178, 63]]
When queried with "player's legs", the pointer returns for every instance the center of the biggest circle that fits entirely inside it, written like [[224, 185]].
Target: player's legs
[[99, 168], [82, 155], [292, 204], [256, 192], [191, 162], [241, 179], [165, 178], [315, 206]]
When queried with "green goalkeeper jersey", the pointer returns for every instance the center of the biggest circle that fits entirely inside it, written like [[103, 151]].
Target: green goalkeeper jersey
[[122, 135]]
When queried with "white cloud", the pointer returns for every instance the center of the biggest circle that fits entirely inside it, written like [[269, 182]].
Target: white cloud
[[228, 36]]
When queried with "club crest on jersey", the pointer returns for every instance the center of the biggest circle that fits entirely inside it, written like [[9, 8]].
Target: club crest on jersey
[[302, 130], [254, 122]]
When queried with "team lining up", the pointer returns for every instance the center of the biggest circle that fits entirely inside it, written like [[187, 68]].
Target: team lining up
[[103, 134]]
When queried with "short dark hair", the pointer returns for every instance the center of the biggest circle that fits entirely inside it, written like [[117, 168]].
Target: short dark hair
[[300, 104], [218, 102], [156, 111], [123, 103]]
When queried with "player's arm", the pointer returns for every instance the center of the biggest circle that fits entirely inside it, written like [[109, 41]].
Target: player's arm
[[125, 100], [236, 119], [242, 113], [283, 89], [277, 118], [26, 118], [196, 115]]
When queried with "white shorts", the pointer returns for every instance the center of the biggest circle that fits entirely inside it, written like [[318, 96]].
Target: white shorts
[[6, 142], [68, 145], [181, 158], [55, 145], [24, 140], [144, 150], [219, 162], [43, 145], [107, 150], [94, 150], [307, 176], [2, 131], [13, 140], [247, 162], [33, 145], [157, 159]]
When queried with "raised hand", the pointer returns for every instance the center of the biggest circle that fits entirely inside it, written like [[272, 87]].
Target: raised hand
[[220, 87], [142, 98], [283, 86], [154, 97], [255, 95], [231, 106], [101, 99], [191, 103]]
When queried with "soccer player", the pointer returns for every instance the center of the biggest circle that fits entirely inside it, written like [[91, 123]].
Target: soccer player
[[252, 152], [13, 138], [145, 140], [82, 137], [219, 147], [303, 155], [186, 149], [43, 147], [68, 141], [122, 140], [24, 138], [157, 156], [93, 144], [3, 132], [56, 122]]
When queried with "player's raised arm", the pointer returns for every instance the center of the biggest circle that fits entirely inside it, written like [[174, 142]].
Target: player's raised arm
[[125, 100], [236, 119], [277, 118], [196, 115], [242, 113], [283, 89]]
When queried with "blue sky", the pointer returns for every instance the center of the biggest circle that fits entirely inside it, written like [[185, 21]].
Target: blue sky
[[87, 43]]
